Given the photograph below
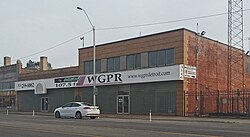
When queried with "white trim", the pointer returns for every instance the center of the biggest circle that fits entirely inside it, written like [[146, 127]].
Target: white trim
[[167, 73], [40, 88]]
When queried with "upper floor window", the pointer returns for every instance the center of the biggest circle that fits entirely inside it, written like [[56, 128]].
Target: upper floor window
[[161, 58], [134, 61], [98, 66], [7, 85], [152, 59], [89, 68], [113, 64], [170, 56]]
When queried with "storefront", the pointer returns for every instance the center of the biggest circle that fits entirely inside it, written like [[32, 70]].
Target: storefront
[[140, 74], [124, 92]]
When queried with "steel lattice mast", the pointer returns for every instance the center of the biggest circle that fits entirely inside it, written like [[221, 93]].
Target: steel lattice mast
[[236, 78]]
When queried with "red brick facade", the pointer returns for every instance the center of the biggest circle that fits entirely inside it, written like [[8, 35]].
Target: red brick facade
[[213, 77], [39, 74], [165, 40], [212, 66], [212, 69]]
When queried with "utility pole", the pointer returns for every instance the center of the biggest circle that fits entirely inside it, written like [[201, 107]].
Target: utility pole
[[94, 60], [198, 36]]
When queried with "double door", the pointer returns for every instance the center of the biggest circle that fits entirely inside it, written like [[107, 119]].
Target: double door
[[123, 104]]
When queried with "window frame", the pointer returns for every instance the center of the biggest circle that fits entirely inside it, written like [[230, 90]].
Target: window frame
[[90, 68], [130, 62], [114, 66], [133, 61], [150, 63], [97, 64], [173, 57], [154, 58], [163, 58]]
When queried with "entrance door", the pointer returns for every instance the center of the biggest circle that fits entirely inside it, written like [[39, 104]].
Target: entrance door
[[45, 104], [123, 104]]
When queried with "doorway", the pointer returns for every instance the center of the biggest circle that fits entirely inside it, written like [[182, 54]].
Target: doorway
[[123, 104], [44, 104]]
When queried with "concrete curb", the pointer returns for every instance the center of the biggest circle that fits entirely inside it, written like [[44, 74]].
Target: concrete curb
[[146, 117]]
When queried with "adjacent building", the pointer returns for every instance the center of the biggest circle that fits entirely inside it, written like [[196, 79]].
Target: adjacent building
[[8, 76], [32, 65], [156, 73]]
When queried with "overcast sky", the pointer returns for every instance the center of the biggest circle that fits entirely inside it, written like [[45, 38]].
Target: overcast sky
[[31, 26]]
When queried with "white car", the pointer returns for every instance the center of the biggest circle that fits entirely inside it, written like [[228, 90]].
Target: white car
[[77, 110]]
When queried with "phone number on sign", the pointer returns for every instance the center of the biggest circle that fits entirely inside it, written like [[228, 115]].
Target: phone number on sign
[[69, 84]]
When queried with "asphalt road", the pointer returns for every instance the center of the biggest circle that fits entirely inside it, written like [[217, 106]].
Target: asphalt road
[[47, 126]]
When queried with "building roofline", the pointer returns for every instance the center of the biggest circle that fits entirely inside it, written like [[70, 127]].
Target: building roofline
[[154, 34], [7, 66], [134, 38]]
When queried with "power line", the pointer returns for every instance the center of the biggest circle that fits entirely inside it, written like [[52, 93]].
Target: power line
[[124, 27], [165, 22], [60, 44]]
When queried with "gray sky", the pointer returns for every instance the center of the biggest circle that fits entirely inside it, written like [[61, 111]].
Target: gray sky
[[30, 26]]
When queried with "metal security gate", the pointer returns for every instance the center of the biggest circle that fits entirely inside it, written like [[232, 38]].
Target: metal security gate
[[123, 104]]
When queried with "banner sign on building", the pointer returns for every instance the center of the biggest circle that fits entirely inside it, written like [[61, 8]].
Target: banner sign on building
[[168, 73], [189, 71]]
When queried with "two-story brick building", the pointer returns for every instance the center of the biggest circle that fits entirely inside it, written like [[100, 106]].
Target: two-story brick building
[[135, 76], [8, 76]]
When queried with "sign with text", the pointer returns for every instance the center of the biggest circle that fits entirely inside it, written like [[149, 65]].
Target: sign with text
[[189, 71], [168, 73]]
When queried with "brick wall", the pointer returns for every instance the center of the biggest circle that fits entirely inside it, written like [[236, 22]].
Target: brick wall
[[213, 65], [212, 72], [27, 75], [172, 39]]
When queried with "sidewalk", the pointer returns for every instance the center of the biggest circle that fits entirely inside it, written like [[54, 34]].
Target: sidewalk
[[178, 118], [153, 117]]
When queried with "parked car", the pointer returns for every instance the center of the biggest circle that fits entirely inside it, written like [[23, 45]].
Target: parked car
[[77, 110]]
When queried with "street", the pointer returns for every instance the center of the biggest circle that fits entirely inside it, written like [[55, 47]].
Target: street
[[14, 125]]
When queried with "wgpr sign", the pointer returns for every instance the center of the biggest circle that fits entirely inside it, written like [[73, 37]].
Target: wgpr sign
[[167, 73]]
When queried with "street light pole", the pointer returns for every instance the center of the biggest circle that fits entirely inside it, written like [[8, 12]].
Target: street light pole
[[94, 73], [82, 39], [198, 35]]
